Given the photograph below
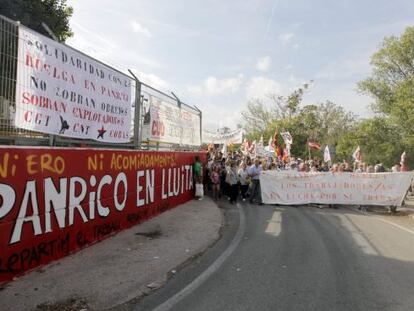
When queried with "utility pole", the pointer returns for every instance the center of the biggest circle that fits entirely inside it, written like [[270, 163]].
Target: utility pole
[[137, 113]]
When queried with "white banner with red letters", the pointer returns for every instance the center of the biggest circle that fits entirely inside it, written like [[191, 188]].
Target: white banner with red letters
[[292, 188], [168, 123], [63, 92]]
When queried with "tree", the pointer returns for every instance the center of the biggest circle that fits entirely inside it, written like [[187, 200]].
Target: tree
[[391, 84], [333, 122], [379, 139], [259, 118], [324, 122], [31, 13]]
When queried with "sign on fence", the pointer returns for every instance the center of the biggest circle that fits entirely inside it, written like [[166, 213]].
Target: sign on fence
[[63, 92], [55, 201], [290, 188], [168, 123]]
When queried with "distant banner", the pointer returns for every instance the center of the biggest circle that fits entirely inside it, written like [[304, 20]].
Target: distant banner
[[264, 152], [291, 188], [232, 137], [168, 123], [287, 138], [63, 92]]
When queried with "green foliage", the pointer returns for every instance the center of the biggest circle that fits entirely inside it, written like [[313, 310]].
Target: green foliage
[[380, 142], [324, 122], [391, 84], [31, 13]]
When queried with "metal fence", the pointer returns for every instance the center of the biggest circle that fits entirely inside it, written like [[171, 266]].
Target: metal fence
[[9, 134]]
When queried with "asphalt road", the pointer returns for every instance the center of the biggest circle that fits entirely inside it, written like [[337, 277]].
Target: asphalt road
[[300, 258]]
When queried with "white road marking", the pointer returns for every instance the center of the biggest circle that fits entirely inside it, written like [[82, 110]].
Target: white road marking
[[275, 224], [387, 222], [360, 240], [171, 302]]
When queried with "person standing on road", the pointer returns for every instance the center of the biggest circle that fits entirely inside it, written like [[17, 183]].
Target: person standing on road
[[198, 178], [198, 170], [223, 176], [243, 177], [215, 181], [233, 180], [254, 173]]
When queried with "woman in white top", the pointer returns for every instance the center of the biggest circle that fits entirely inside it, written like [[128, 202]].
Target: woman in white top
[[244, 180]]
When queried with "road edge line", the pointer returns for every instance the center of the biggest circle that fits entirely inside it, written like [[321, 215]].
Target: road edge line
[[172, 301], [386, 221]]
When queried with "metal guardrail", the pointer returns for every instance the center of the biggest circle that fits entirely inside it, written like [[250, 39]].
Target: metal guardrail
[[9, 134]]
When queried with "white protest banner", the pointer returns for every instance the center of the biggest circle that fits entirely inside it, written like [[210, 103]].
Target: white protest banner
[[326, 155], [291, 188], [169, 123], [64, 92], [232, 137], [287, 138], [263, 152]]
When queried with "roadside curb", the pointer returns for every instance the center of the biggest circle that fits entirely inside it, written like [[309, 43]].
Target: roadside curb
[[205, 275], [124, 267], [147, 289]]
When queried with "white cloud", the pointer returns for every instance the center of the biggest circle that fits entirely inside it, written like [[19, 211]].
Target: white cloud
[[263, 63], [344, 94], [153, 80], [260, 87], [286, 37], [215, 86], [106, 49], [350, 68], [216, 116], [139, 28], [147, 61]]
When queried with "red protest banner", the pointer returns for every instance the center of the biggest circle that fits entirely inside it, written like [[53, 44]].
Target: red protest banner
[[54, 201]]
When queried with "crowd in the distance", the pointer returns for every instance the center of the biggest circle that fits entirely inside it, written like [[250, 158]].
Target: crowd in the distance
[[237, 175]]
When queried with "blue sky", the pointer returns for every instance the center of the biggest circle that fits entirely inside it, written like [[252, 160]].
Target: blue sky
[[218, 54]]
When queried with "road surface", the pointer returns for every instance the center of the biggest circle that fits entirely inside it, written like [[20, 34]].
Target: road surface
[[297, 258]]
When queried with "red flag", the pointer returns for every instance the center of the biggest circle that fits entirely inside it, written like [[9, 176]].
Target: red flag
[[314, 145], [245, 146], [278, 151], [285, 155], [275, 144]]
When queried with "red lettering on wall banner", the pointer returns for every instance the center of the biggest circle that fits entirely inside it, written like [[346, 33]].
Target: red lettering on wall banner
[[56, 201]]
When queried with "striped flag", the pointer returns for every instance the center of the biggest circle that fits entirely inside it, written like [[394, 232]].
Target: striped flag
[[314, 145], [357, 155], [403, 163], [403, 158]]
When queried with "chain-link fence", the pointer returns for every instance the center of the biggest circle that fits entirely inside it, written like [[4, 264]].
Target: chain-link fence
[[10, 134]]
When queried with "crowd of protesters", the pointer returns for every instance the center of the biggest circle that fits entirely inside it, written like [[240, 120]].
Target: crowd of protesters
[[237, 175]]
